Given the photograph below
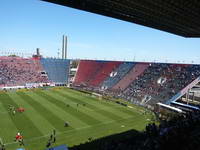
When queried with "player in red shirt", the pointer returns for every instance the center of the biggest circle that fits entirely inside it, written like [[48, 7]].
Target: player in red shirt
[[19, 138]]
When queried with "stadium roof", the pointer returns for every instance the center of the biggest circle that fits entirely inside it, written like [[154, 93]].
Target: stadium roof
[[180, 17]]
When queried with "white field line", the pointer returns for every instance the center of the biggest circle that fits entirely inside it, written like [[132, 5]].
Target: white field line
[[69, 131]]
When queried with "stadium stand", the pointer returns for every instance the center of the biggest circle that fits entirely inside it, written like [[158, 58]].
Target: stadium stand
[[57, 69], [177, 77], [103, 72], [116, 75], [86, 69], [92, 73], [20, 71], [142, 88], [131, 76], [160, 82]]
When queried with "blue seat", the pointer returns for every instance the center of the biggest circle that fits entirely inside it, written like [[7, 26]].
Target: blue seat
[[57, 69]]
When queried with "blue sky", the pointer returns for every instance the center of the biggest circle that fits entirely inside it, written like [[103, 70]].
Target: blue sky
[[28, 24]]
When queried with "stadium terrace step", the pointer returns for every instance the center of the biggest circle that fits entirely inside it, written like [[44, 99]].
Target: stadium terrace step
[[116, 75], [131, 76], [103, 73], [86, 70]]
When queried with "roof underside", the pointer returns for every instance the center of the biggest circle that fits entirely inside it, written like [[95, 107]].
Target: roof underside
[[180, 17]]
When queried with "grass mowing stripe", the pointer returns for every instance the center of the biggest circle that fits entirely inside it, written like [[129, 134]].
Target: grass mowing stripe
[[72, 111], [97, 106], [57, 111], [123, 109], [70, 133], [71, 138], [40, 122], [48, 115], [5, 124], [21, 121], [103, 102], [84, 109], [94, 101], [97, 109], [81, 131]]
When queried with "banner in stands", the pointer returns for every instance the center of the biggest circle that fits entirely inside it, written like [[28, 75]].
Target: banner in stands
[[33, 85], [28, 85]]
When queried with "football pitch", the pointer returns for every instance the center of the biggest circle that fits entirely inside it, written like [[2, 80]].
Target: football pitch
[[45, 110]]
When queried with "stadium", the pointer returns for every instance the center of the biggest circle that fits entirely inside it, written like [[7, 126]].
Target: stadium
[[63, 103]]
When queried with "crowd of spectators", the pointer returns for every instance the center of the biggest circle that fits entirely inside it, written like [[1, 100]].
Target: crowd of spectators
[[160, 82], [145, 83], [116, 75], [19, 71]]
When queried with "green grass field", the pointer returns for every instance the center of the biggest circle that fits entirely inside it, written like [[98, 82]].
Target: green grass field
[[46, 110]]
